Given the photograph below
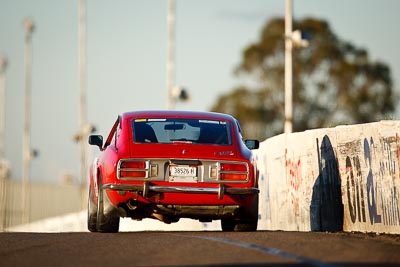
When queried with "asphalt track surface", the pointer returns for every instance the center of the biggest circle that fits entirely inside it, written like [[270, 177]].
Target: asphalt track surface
[[262, 248]]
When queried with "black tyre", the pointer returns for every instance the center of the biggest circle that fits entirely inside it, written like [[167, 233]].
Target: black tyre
[[228, 225], [107, 222], [247, 220], [92, 213]]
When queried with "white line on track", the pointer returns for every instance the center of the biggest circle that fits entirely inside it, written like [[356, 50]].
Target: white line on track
[[268, 250]]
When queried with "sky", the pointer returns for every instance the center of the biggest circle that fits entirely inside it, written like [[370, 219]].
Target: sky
[[126, 61]]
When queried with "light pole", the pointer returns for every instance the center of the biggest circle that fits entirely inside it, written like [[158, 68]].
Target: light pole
[[288, 68], [82, 97], [292, 38], [3, 165], [3, 66], [171, 54], [26, 142]]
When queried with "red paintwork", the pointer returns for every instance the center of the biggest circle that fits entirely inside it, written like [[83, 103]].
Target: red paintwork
[[106, 164]]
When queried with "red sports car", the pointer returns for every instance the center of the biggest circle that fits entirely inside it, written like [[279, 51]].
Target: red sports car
[[169, 165]]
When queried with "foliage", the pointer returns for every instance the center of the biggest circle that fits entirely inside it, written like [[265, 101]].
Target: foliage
[[334, 82]]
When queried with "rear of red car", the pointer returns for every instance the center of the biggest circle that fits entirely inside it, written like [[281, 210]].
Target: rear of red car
[[169, 165]]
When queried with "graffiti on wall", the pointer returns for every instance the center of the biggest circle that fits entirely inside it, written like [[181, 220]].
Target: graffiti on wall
[[372, 180], [294, 176], [355, 190]]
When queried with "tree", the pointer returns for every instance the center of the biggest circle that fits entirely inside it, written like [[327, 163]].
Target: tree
[[334, 83]]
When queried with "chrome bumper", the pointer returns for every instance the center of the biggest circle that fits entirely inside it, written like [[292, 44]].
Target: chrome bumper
[[146, 188]]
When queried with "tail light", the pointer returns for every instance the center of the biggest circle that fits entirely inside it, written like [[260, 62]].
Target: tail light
[[133, 169], [231, 171]]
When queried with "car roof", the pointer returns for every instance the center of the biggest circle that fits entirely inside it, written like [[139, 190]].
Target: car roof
[[177, 114]]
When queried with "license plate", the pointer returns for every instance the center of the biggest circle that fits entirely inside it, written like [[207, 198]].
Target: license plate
[[182, 173]]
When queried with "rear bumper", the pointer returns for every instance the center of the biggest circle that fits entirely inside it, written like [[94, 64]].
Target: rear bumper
[[147, 188]]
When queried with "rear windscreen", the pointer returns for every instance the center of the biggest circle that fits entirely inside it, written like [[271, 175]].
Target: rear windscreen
[[193, 131]]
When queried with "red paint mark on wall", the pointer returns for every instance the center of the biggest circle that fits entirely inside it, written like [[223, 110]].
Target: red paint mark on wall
[[295, 203], [293, 173], [294, 170]]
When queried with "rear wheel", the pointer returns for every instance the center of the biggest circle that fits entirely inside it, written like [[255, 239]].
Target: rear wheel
[[247, 220], [92, 212], [228, 225], [107, 220]]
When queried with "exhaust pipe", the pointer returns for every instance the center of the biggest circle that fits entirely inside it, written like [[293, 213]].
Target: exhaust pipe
[[131, 204]]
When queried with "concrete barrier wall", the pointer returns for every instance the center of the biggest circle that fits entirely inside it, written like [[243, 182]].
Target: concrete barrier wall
[[343, 178]]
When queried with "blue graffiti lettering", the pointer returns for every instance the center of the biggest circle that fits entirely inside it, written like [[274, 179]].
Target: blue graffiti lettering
[[355, 191], [374, 217], [350, 191]]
